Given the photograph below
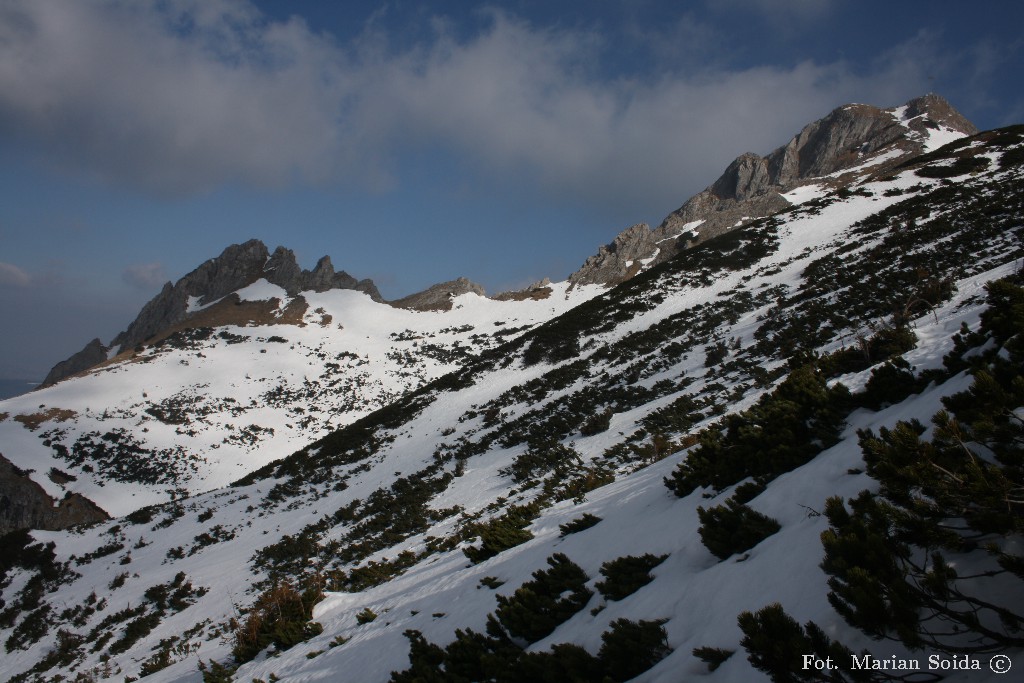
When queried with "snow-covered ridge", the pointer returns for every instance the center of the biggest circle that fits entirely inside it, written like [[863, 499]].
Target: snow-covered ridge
[[214, 405]]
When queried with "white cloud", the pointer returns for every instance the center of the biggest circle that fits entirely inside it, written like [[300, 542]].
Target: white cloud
[[145, 276], [13, 276], [516, 97], [180, 97], [177, 97]]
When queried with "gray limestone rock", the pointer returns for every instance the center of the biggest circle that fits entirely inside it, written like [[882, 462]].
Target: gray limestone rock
[[620, 260], [93, 354], [25, 505], [438, 297], [283, 270], [323, 278], [239, 265]]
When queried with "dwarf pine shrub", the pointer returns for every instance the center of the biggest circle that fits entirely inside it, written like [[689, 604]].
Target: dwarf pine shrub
[[539, 606], [625, 575], [733, 528]]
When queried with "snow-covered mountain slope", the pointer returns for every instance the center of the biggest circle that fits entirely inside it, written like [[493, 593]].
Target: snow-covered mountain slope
[[211, 402], [416, 517]]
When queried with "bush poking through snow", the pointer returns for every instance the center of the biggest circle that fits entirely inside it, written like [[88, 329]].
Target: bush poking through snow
[[625, 575], [889, 554], [632, 647], [539, 606], [628, 649], [714, 657], [732, 528], [281, 616], [502, 533], [776, 644], [784, 430], [579, 524]]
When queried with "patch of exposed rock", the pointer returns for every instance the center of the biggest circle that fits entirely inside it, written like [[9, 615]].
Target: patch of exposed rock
[[438, 297], [25, 505], [620, 260], [752, 186], [537, 291]]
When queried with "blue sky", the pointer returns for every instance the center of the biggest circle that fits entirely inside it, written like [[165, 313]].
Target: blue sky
[[414, 142]]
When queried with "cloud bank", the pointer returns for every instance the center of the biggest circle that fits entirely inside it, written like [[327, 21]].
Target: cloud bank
[[181, 97]]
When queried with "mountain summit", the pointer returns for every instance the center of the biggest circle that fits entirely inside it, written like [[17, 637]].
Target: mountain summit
[[852, 142], [238, 266]]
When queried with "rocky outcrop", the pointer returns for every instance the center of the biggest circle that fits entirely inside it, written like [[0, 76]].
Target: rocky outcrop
[[238, 266], [282, 270], [25, 505], [620, 260], [537, 291], [439, 296], [752, 186], [93, 354]]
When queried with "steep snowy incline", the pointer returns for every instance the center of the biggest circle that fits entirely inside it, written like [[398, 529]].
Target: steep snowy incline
[[208, 404]]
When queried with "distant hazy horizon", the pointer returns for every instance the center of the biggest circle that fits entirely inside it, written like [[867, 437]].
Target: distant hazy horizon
[[15, 387]]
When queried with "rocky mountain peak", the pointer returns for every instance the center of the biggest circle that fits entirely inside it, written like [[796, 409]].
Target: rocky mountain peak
[[238, 266], [283, 270], [752, 186]]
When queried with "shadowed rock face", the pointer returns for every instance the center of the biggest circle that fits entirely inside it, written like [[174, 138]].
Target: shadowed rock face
[[620, 260], [93, 354], [752, 185], [238, 266], [25, 505], [439, 296]]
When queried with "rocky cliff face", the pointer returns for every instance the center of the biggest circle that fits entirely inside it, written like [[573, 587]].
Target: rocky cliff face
[[752, 186], [238, 266], [93, 354], [25, 505], [219, 278], [439, 296], [620, 260]]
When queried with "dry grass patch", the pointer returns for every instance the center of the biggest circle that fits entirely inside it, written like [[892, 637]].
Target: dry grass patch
[[537, 294], [33, 420]]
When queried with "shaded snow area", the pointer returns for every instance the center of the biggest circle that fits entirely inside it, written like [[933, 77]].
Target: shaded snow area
[[805, 193], [589, 402], [261, 290]]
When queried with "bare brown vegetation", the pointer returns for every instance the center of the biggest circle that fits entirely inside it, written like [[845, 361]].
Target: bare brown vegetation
[[33, 420]]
